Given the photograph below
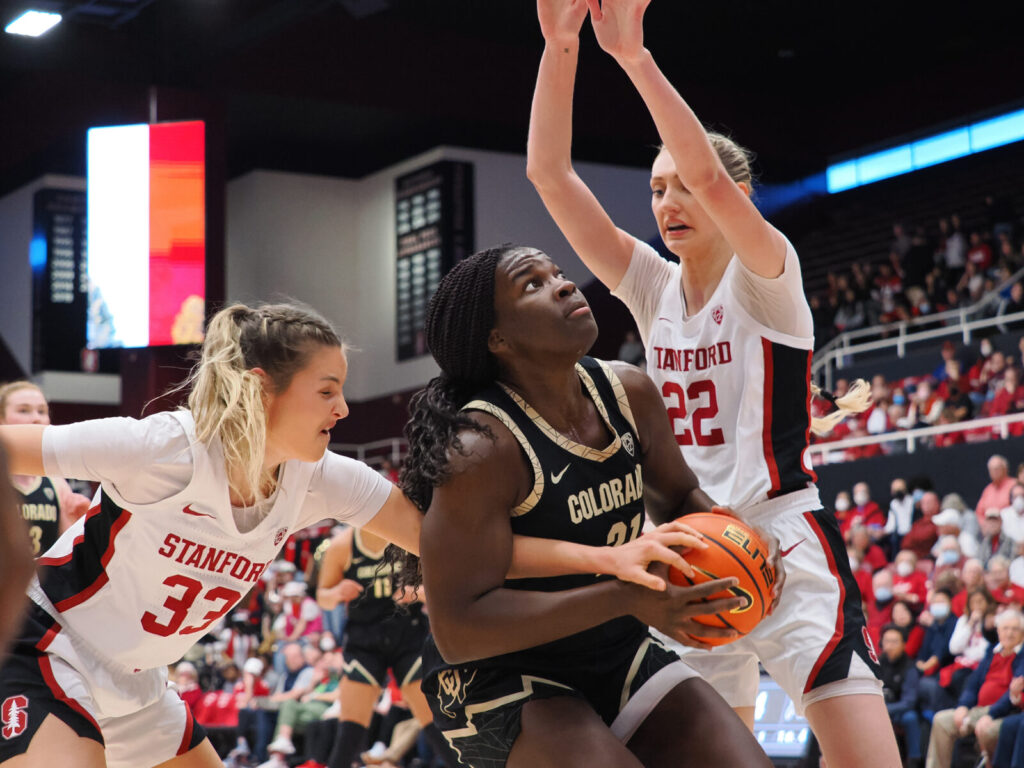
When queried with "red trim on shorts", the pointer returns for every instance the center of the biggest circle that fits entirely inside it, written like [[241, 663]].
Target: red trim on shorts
[[807, 432], [186, 739], [766, 424], [51, 681], [837, 635], [48, 638], [102, 579], [65, 559]]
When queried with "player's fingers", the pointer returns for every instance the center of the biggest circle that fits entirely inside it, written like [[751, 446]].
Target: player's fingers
[[662, 554], [721, 605], [595, 9], [700, 591], [684, 539], [645, 579]]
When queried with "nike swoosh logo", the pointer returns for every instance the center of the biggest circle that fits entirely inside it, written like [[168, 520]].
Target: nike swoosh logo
[[189, 511], [556, 479], [786, 551]]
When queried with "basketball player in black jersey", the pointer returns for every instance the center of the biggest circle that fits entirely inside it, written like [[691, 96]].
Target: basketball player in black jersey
[[522, 434], [379, 635]]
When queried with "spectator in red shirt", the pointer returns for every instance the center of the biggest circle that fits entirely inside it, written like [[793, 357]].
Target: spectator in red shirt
[[1009, 398], [909, 583], [997, 493], [879, 606], [868, 554], [843, 510], [186, 680], [972, 575], [980, 253], [923, 534], [997, 579], [866, 512], [986, 695]]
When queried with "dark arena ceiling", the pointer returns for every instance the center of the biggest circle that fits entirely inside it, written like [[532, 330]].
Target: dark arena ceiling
[[346, 87]]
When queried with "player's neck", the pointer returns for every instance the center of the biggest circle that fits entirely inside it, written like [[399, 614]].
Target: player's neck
[[556, 393], [700, 276]]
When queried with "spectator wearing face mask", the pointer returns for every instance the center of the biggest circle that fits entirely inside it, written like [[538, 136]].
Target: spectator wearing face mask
[[880, 605], [866, 512], [978, 388], [909, 583], [842, 508], [993, 542], [947, 523], [867, 552], [948, 556], [900, 517], [923, 534], [934, 653], [1013, 514]]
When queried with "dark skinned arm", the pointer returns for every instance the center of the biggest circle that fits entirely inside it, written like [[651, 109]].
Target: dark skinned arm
[[466, 550], [670, 487]]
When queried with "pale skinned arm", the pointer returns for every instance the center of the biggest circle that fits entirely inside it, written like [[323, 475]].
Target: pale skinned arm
[[618, 25], [605, 249], [399, 522], [332, 586]]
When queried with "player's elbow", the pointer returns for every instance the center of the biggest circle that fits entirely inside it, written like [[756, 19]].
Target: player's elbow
[[547, 178]]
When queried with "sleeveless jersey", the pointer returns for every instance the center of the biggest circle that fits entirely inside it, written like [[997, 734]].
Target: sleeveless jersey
[[580, 494], [374, 574], [40, 506], [149, 580], [738, 396]]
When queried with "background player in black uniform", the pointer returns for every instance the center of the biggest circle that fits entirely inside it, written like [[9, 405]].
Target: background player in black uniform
[[47, 503], [379, 636], [519, 435], [16, 567]]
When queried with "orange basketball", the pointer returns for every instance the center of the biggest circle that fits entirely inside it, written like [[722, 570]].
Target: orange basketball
[[734, 550]]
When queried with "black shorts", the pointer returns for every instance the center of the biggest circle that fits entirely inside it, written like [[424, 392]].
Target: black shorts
[[31, 689], [393, 643], [479, 709]]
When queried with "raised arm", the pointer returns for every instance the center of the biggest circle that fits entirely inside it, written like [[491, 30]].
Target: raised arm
[[605, 249], [618, 25], [466, 553]]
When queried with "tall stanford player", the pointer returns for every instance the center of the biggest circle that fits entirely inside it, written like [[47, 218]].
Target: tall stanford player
[[729, 340], [194, 505]]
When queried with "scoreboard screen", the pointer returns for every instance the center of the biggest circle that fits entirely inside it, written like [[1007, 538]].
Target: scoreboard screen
[[434, 231]]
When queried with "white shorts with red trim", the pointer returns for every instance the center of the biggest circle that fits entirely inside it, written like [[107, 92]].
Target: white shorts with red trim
[[815, 645], [142, 721]]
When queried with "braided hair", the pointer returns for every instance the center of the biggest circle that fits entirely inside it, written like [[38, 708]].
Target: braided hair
[[459, 321]]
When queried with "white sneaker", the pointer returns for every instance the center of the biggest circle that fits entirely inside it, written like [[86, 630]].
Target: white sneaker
[[281, 744], [275, 761]]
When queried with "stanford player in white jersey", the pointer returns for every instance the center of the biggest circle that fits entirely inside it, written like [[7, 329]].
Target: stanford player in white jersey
[[193, 507], [728, 335]]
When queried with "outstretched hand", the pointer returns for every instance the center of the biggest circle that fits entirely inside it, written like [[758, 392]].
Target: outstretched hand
[[560, 20], [630, 562], [673, 611], [619, 26]]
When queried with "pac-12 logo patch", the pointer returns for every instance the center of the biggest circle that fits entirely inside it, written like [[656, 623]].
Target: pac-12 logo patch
[[14, 714], [627, 443], [48, 493], [279, 536], [717, 314]]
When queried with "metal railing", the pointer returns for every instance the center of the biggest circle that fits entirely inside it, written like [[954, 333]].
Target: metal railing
[[842, 348], [911, 437], [374, 453]]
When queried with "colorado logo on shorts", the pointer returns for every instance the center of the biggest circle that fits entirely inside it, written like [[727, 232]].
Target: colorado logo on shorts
[[14, 714]]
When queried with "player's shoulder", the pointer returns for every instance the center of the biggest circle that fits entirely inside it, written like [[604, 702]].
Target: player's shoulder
[[490, 442]]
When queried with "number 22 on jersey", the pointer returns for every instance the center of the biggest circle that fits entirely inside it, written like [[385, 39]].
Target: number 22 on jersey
[[703, 394]]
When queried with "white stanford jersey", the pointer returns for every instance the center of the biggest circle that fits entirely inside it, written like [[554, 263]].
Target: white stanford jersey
[[141, 583], [737, 393]]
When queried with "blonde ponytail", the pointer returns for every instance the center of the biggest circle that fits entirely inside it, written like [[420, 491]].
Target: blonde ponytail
[[227, 396], [856, 400]]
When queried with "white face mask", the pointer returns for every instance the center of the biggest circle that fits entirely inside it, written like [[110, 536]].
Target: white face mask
[[1018, 503], [939, 610], [854, 563], [842, 504], [860, 499], [904, 568]]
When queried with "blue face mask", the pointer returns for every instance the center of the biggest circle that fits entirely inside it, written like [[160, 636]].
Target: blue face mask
[[883, 595], [918, 495], [898, 399], [948, 557], [939, 610]]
